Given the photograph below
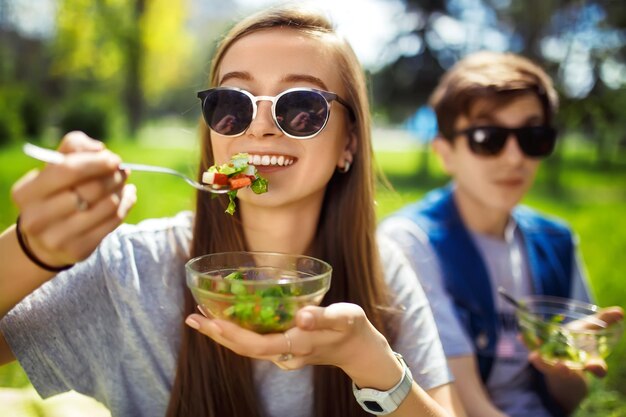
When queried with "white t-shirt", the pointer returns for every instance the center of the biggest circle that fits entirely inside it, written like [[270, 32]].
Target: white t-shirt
[[509, 384], [110, 326]]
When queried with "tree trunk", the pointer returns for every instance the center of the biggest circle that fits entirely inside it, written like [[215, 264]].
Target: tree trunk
[[133, 91]]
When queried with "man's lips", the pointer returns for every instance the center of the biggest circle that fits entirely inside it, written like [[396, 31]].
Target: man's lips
[[510, 182]]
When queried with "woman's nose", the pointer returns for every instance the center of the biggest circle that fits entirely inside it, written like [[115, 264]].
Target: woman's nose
[[263, 124]]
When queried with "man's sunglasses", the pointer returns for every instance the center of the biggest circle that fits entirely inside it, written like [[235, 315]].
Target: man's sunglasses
[[534, 141], [299, 113]]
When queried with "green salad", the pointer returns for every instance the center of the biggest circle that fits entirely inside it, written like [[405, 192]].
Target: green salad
[[556, 342], [236, 174], [267, 310]]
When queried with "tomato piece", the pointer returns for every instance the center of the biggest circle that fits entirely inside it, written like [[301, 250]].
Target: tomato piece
[[215, 178], [239, 182], [220, 179]]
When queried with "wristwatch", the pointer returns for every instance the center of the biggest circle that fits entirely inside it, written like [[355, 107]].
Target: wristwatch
[[382, 403]]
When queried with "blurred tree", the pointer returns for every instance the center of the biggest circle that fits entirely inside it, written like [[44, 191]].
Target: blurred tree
[[135, 49], [581, 43], [22, 84], [134, 52], [404, 85], [168, 48]]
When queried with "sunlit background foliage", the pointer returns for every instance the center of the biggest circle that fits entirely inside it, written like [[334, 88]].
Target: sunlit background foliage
[[126, 71]]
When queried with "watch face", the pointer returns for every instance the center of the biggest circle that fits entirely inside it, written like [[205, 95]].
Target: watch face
[[373, 406]]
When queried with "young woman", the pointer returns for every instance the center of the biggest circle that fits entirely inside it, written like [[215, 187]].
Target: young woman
[[111, 326]]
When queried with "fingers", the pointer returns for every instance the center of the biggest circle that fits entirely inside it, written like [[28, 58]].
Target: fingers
[[75, 170], [557, 368], [65, 203], [72, 238], [59, 206], [535, 360], [77, 141], [241, 341], [95, 190], [611, 315], [81, 248], [111, 209], [339, 316], [85, 159], [19, 192], [599, 320], [595, 366], [67, 208], [322, 336]]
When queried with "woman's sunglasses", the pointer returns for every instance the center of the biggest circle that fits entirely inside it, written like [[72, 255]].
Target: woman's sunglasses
[[534, 141], [299, 113]]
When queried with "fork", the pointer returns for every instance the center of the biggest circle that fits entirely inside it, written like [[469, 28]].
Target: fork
[[54, 157]]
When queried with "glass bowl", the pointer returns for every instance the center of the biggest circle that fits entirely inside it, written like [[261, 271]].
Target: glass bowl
[[565, 330], [260, 291]]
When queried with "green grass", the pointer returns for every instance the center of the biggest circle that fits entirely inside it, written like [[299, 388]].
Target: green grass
[[591, 198]]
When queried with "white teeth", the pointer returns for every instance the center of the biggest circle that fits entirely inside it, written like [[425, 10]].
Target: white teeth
[[267, 160]]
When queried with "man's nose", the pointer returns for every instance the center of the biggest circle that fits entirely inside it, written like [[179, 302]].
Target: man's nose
[[512, 150]]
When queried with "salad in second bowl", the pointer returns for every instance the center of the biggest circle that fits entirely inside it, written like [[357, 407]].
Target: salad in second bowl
[[565, 330]]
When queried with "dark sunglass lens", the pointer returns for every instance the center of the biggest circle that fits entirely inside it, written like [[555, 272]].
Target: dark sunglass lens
[[227, 112], [537, 141], [486, 141], [302, 113]]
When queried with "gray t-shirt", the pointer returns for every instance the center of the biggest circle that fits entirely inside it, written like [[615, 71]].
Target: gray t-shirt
[[110, 327], [510, 383]]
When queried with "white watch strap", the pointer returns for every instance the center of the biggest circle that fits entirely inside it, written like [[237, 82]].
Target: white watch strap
[[385, 402], [403, 388]]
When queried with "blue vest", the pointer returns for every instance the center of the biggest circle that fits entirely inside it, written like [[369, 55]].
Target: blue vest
[[550, 252]]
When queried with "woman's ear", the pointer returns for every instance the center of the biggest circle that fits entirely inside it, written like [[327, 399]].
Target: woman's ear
[[351, 144], [444, 149], [347, 155]]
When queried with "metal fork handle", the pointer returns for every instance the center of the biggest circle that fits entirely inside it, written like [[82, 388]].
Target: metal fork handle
[[162, 170], [54, 157], [148, 168]]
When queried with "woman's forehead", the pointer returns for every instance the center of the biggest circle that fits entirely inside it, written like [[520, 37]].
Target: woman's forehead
[[280, 56]]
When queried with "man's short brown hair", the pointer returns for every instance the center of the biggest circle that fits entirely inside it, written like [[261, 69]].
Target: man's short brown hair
[[491, 75]]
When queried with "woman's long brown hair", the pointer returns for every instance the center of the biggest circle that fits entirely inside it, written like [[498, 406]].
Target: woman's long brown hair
[[210, 379]]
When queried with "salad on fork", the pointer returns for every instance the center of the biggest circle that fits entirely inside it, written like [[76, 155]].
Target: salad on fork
[[236, 174]]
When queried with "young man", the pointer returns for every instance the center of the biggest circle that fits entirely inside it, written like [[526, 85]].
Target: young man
[[495, 114]]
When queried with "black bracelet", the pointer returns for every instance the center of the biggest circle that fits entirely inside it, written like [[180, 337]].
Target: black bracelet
[[31, 255]]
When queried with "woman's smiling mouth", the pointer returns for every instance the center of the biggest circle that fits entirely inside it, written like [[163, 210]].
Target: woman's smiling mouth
[[270, 160]]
